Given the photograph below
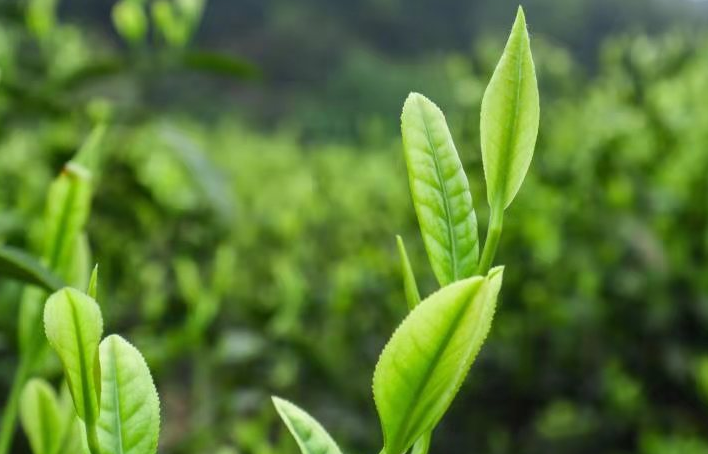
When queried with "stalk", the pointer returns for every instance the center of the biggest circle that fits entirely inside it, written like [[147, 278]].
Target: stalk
[[492, 241], [9, 416]]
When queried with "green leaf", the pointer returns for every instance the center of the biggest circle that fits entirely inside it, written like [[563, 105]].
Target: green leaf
[[423, 444], [93, 283], [68, 206], [440, 191], [423, 365], [40, 415], [73, 324], [509, 119], [130, 20], [130, 407], [17, 264], [410, 286], [309, 434]]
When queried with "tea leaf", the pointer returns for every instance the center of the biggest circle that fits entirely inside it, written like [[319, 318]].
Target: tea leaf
[[92, 290], [509, 119], [40, 415], [68, 207], [440, 191], [311, 437], [410, 286], [423, 365], [73, 324], [130, 407], [17, 264]]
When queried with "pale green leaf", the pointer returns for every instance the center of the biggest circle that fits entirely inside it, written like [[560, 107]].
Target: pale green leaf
[[130, 407], [410, 286], [73, 324], [423, 444], [68, 206], [440, 191], [423, 365], [93, 283], [311, 437], [509, 119], [40, 415]]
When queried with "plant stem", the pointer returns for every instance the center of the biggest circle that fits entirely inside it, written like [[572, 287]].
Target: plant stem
[[9, 417], [92, 438], [493, 235]]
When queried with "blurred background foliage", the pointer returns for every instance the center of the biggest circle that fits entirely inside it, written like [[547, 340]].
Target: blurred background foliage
[[251, 183]]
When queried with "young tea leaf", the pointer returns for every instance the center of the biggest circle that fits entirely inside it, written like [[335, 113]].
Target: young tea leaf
[[40, 415], [423, 365], [440, 191], [68, 206], [311, 437], [509, 119], [93, 283], [410, 286], [17, 264], [130, 407], [73, 324]]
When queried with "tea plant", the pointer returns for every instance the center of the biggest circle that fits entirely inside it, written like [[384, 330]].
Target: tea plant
[[425, 362]]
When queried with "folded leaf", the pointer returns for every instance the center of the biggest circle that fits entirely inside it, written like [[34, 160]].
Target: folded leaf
[[130, 407], [17, 264], [40, 415], [423, 365], [509, 119], [73, 324], [440, 191], [309, 434], [410, 286], [68, 207]]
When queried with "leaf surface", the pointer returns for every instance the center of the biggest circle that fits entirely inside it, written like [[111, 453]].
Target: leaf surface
[[310, 436], [410, 286], [40, 415], [73, 324], [17, 264], [509, 119], [423, 365], [440, 191], [130, 406]]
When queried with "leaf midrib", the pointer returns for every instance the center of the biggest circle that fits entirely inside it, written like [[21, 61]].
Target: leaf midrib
[[117, 426], [88, 408], [443, 188], [436, 358], [511, 132]]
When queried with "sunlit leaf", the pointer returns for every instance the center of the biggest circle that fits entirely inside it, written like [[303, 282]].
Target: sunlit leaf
[[409, 284], [93, 283], [423, 365], [17, 264], [73, 324], [509, 119], [40, 415], [311, 437], [130, 407], [440, 191]]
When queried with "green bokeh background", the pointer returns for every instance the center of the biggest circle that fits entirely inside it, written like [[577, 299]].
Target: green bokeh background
[[247, 202]]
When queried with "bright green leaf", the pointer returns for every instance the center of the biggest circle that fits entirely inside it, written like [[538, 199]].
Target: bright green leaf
[[93, 283], [423, 365], [509, 119], [130, 20], [130, 407], [423, 444], [309, 434], [40, 415], [68, 206], [440, 191], [73, 324], [17, 264], [410, 286]]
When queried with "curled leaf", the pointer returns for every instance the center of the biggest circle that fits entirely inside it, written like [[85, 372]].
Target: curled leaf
[[310, 436]]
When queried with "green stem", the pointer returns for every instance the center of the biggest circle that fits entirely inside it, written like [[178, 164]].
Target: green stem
[[492, 241], [9, 416], [92, 438]]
